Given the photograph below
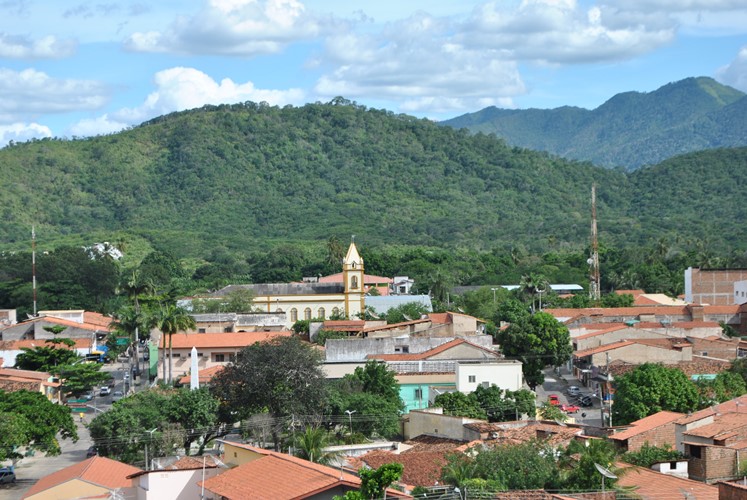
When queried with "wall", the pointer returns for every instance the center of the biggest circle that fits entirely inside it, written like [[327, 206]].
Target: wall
[[658, 436], [732, 491], [639, 353], [612, 337], [716, 463], [434, 423], [505, 374], [173, 484], [712, 286], [680, 468], [408, 384], [337, 350], [76, 488]]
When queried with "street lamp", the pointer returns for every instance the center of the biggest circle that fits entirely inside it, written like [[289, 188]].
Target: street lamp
[[146, 445], [350, 419], [494, 289]]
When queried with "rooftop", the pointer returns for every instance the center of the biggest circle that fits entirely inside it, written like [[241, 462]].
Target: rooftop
[[431, 352], [646, 424], [98, 470], [652, 485], [235, 339]]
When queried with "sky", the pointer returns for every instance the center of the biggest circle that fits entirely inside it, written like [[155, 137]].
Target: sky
[[84, 68]]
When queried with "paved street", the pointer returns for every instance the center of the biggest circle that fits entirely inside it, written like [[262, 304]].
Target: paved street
[[31, 469], [558, 384]]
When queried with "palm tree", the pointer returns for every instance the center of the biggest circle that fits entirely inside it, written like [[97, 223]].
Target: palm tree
[[170, 319], [310, 446], [532, 283]]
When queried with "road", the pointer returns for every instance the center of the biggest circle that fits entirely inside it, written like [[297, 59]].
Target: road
[[31, 469], [558, 383]]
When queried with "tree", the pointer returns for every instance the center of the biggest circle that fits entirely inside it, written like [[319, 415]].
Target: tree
[[311, 446], [580, 472], [170, 319], [501, 406], [36, 424], [458, 403], [80, 377], [197, 412], [537, 341], [551, 412], [374, 482], [240, 300], [406, 312], [725, 386], [652, 388], [45, 358], [281, 377], [525, 466], [649, 455]]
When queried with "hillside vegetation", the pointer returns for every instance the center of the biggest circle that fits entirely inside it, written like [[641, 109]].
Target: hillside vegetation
[[250, 175], [630, 129]]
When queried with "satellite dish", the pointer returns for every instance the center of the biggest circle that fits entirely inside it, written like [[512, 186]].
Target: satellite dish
[[590, 261], [605, 472]]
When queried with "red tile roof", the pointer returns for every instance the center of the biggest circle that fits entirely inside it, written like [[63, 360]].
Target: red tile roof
[[607, 329], [431, 352], [652, 485], [24, 374], [421, 468], [602, 348], [66, 322], [394, 326], [733, 405], [236, 339], [12, 345], [203, 376], [98, 470], [646, 424], [634, 311]]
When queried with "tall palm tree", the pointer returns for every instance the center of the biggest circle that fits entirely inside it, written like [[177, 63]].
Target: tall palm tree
[[170, 319]]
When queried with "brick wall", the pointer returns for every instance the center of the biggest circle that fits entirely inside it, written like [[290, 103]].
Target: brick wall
[[715, 464], [732, 491], [658, 436], [715, 286]]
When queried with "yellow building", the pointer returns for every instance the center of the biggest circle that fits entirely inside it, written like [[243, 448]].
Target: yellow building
[[312, 300]]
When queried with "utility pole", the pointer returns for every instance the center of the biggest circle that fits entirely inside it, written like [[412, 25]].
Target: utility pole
[[33, 265], [594, 279]]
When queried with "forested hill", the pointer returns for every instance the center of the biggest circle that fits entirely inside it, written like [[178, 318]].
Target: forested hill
[[630, 129], [244, 176]]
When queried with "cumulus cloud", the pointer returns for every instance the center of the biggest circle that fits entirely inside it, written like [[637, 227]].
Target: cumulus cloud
[[562, 32], [178, 89], [735, 73], [233, 27], [48, 47], [20, 132], [31, 91], [419, 63]]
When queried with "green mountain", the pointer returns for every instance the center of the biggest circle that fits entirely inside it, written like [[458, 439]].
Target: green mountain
[[246, 176], [631, 129]]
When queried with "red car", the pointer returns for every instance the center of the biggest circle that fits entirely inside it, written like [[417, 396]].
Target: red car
[[553, 399], [570, 408]]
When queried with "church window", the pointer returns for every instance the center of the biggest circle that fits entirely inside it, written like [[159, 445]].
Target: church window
[[321, 313], [294, 315], [307, 313], [335, 312], [354, 282]]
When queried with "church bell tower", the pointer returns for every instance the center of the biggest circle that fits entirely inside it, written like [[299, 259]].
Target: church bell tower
[[352, 276]]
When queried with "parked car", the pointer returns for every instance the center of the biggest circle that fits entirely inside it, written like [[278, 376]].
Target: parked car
[[126, 376], [574, 391], [7, 475], [586, 401], [116, 396], [87, 396], [570, 408], [553, 399], [92, 452], [105, 391]]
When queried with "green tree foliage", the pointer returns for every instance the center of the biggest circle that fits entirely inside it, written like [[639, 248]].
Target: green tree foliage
[[537, 341], [170, 319], [373, 394], [36, 423], [78, 378], [239, 301], [45, 359], [180, 416], [323, 335], [649, 455], [578, 463], [723, 387], [311, 444], [652, 388], [458, 403], [551, 412], [374, 482], [406, 312], [491, 403], [281, 377]]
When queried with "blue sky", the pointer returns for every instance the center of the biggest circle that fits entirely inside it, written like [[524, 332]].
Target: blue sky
[[74, 68]]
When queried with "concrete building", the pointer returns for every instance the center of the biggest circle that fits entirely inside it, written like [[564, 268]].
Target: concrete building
[[712, 286]]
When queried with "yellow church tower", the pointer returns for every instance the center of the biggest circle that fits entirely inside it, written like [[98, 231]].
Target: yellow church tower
[[352, 276]]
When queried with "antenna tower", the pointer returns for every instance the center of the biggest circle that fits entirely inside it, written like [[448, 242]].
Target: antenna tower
[[33, 265], [594, 280]]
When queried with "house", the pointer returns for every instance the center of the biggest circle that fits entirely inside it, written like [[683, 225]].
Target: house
[[651, 485], [12, 380], [78, 324], [177, 481], [655, 430], [10, 349], [264, 474], [301, 301], [96, 477], [712, 286], [229, 322], [213, 349]]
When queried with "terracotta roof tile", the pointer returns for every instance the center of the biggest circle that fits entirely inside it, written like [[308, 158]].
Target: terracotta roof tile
[[394, 326], [733, 405], [24, 374], [646, 424], [11, 345], [652, 485], [97, 470], [725, 426], [237, 339], [602, 348], [602, 331], [420, 468], [66, 322], [203, 376], [431, 352]]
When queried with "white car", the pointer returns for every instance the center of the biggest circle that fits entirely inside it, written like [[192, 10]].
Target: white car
[[105, 391], [116, 396], [574, 391]]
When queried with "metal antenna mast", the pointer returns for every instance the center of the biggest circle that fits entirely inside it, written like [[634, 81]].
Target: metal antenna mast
[[594, 280], [33, 265]]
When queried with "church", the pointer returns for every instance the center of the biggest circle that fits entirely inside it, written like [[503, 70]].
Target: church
[[311, 300]]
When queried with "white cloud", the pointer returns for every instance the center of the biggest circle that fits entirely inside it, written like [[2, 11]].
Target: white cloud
[[561, 32], [178, 89], [20, 132], [48, 47], [31, 91], [417, 62], [233, 27], [735, 73]]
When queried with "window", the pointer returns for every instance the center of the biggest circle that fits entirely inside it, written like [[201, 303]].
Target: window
[[472, 378], [354, 282], [231, 357], [219, 358], [200, 330], [294, 315], [335, 311], [486, 385], [695, 451], [321, 313], [704, 353], [402, 349], [227, 329], [307, 313], [419, 394], [279, 310]]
